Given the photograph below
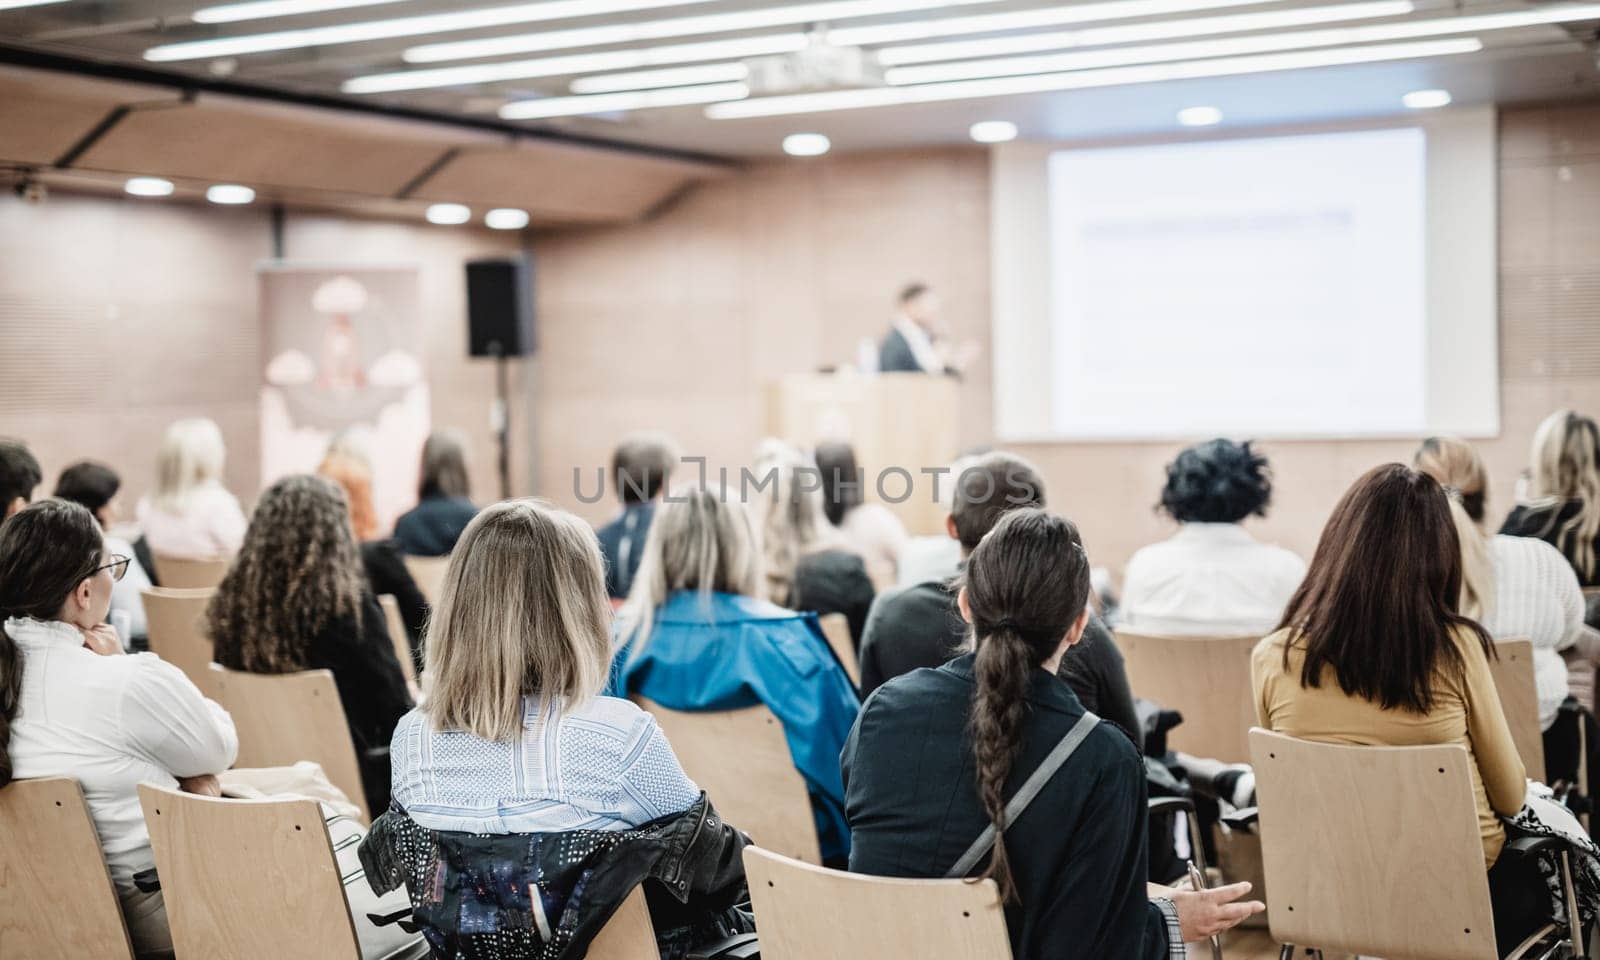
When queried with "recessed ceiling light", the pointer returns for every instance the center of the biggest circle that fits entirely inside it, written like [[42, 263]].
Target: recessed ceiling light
[[806, 144], [448, 214], [993, 131], [1199, 116], [1426, 99], [148, 187], [506, 218], [230, 193]]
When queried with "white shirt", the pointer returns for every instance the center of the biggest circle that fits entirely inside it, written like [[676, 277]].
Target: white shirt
[[1209, 579], [1537, 598], [920, 343], [873, 531], [127, 594], [111, 723], [210, 526]]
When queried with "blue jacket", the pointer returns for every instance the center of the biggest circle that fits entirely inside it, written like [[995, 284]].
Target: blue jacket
[[738, 652]]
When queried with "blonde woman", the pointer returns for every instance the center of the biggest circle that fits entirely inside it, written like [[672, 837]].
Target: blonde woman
[[695, 634], [190, 516], [1565, 507]]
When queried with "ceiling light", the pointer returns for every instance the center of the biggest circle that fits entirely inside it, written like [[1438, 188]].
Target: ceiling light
[[262, 9], [506, 218], [148, 187], [669, 77], [417, 26], [1426, 99], [18, 4], [448, 214], [806, 144], [1082, 79], [1199, 116], [993, 131], [230, 194], [619, 102], [577, 63], [674, 27], [1020, 20]]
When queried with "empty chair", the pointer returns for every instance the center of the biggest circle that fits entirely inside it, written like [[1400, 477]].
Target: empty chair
[[836, 627], [184, 574], [741, 759], [429, 574], [397, 635], [176, 620], [806, 912], [1207, 679], [629, 934], [288, 717], [56, 897], [1512, 669]]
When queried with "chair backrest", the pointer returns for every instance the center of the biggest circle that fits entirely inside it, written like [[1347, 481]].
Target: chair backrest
[[1512, 670], [398, 637], [248, 879], [1346, 829], [741, 759], [56, 897], [836, 627], [806, 912], [283, 718], [429, 574], [179, 573], [629, 934], [177, 630], [1207, 679]]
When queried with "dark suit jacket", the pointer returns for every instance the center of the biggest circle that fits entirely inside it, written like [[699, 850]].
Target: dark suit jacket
[[622, 544], [431, 528], [895, 356]]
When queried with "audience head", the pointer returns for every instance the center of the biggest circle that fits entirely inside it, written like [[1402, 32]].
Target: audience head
[[1379, 603], [297, 572], [701, 540], [522, 613], [789, 513], [19, 474], [986, 488], [1566, 467], [444, 466], [920, 303], [841, 480], [1217, 482], [52, 567], [641, 466], [191, 458], [353, 474], [94, 485], [1455, 464], [1026, 594]]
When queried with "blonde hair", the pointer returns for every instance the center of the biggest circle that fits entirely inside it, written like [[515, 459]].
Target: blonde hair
[[191, 458], [1456, 465], [792, 517], [698, 540], [522, 613], [354, 474], [1566, 467]]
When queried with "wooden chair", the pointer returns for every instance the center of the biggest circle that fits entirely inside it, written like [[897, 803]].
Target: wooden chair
[[288, 717], [177, 632], [741, 758], [629, 934], [56, 897], [429, 574], [178, 573], [399, 637], [1207, 679], [1375, 850], [1512, 670], [836, 627], [807, 912]]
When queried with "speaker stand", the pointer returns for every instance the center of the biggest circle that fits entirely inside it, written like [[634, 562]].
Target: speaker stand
[[500, 419]]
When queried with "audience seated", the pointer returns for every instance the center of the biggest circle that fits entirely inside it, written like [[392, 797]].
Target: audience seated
[[71, 705], [871, 529], [808, 564], [295, 599], [95, 485], [640, 469], [695, 635], [1374, 651], [936, 754], [443, 510], [190, 516], [19, 475], [1564, 509], [1212, 578]]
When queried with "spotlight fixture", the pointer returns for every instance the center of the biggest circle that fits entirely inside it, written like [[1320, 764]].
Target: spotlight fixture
[[993, 131], [1426, 99], [230, 194], [148, 187], [806, 144], [1199, 116], [506, 218], [448, 214]]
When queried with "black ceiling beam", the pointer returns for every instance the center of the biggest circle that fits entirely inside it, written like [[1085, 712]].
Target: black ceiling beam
[[91, 138]]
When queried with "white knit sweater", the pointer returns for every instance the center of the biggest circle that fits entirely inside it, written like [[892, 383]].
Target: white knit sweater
[[1536, 598]]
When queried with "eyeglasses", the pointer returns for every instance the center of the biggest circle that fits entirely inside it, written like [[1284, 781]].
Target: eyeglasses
[[118, 565]]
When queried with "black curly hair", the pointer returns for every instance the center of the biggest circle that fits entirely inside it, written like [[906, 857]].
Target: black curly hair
[[1218, 481]]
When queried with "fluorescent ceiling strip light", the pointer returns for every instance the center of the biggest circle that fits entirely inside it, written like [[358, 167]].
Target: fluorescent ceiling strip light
[[615, 102], [400, 27], [674, 27], [19, 4], [262, 9], [577, 63], [869, 36], [668, 77], [1083, 79], [1136, 32]]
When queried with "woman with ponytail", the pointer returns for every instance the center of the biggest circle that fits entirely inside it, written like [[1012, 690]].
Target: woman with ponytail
[[937, 754]]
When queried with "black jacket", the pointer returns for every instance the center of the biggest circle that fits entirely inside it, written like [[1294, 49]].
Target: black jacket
[[471, 893], [1544, 523], [834, 581], [1077, 853], [432, 527], [387, 573], [622, 546]]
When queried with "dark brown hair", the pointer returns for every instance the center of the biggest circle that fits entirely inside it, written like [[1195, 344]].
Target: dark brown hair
[[444, 466], [841, 479], [641, 466], [1379, 603], [1027, 583], [988, 487]]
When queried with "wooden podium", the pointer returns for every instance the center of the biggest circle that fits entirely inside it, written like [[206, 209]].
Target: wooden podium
[[904, 420]]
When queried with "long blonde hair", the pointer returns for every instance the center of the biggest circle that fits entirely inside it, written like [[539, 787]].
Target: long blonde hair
[[792, 516], [522, 613], [191, 458], [1566, 467], [1456, 465]]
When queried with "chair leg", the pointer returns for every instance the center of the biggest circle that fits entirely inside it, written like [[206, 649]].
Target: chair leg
[[1197, 850], [1286, 952]]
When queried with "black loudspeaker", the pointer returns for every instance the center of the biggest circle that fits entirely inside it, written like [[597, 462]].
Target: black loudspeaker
[[500, 307]]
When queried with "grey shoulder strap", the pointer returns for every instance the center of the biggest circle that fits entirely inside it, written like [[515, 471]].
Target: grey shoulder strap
[[1030, 788]]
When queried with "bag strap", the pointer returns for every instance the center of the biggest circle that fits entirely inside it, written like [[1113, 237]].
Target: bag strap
[[1027, 792]]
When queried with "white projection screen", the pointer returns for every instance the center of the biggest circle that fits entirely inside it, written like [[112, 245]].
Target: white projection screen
[[1327, 284]]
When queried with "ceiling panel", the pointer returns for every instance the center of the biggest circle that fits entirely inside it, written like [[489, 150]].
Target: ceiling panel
[[43, 115]]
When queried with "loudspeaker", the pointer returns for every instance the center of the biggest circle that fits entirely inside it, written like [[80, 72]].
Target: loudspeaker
[[500, 307]]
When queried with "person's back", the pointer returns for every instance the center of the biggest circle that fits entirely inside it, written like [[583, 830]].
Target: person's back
[[622, 544], [191, 516], [917, 626], [1536, 598], [640, 468], [1565, 487], [443, 510], [834, 581]]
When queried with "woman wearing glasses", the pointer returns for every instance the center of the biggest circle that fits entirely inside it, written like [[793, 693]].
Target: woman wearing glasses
[[71, 705]]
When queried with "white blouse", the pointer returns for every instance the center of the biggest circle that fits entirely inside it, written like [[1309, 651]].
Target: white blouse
[[1537, 598], [1209, 579], [211, 526]]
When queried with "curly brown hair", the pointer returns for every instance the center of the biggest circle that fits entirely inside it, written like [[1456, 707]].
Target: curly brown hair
[[298, 571]]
